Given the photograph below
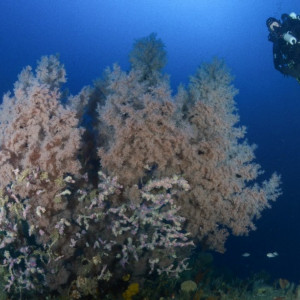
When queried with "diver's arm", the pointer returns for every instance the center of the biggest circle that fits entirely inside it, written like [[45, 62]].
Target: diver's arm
[[296, 29], [279, 61]]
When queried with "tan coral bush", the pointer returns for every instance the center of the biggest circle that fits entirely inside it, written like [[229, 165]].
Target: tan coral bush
[[151, 135], [39, 131], [145, 136]]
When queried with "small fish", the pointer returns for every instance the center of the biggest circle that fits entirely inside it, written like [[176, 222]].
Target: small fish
[[272, 254], [246, 254]]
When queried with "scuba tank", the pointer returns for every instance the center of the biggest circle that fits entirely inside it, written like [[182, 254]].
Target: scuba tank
[[288, 37]]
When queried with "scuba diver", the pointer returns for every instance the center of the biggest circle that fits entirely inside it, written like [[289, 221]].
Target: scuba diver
[[285, 36]]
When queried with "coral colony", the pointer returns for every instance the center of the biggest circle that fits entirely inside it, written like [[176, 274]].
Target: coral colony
[[121, 180]]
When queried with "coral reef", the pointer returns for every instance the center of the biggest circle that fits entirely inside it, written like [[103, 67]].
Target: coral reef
[[88, 199]]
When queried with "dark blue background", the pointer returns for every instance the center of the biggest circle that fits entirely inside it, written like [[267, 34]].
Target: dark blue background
[[90, 35]]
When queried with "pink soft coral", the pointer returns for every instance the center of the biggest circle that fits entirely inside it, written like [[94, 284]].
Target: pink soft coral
[[148, 134], [36, 130]]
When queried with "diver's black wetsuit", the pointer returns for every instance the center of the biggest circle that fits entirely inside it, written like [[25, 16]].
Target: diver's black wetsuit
[[286, 56]]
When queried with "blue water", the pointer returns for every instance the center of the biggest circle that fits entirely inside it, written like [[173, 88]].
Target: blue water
[[92, 34]]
